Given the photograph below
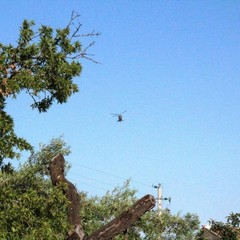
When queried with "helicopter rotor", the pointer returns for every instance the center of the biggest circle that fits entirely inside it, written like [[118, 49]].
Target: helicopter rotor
[[117, 114]]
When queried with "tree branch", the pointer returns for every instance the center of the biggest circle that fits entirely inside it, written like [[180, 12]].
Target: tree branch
[[124, 220]]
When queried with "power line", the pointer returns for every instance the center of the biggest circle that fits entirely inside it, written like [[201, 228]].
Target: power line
[[94, 186], [92, 179], [101, 182], [110, 174]]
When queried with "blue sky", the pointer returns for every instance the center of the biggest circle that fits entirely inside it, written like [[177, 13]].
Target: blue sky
[[175, 67]]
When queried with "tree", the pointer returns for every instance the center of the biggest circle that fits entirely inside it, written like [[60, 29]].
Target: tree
[[43, 65]]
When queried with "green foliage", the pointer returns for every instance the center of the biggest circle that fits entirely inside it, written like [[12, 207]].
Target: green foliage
[[167, 226], [224, 230], [41, 159], [31, 208], [96, 211], [234, 219], [42, 64]]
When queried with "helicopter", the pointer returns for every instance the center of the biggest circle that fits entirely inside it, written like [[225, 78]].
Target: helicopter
[[118, 115]]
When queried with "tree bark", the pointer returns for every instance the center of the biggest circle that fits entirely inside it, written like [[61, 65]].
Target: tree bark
[[124, 220], [57, 176]]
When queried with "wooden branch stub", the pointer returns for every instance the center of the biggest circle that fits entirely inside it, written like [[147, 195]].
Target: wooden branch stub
[[56, 168], [124, 220]]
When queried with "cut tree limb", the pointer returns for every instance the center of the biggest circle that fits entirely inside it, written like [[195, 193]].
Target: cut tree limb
[[124, 220]]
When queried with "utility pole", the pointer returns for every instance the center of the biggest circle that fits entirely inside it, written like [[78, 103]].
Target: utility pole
[[160, 198]]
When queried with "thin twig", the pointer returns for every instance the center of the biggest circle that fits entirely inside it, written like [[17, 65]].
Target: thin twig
[[92, 34]]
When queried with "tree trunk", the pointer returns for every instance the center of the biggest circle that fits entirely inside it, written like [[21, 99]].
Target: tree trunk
[[57, 176], [124, 220]]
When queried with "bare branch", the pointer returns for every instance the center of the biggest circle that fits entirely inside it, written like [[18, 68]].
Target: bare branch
[[86, 48], [76, 31], [90, 59], [92, 34], [36, 35], [84, 54], [74, 16], [32, 96]]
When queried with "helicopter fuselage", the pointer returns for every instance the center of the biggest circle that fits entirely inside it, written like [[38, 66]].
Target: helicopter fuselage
[[120, 118]]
